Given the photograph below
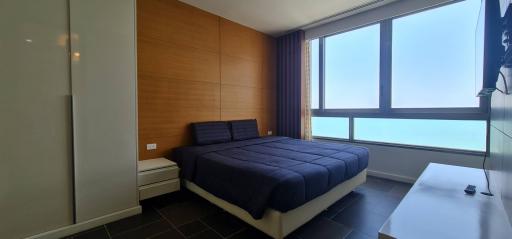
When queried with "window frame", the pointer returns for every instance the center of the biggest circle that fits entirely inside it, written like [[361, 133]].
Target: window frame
[[385, 109]]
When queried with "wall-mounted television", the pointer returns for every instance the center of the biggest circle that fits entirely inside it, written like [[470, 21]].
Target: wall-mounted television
[[489, 50]]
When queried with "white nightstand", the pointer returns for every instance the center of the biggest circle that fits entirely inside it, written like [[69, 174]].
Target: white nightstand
[[156, 177]]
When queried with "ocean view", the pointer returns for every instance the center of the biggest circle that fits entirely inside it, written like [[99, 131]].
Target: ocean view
[[454, 134]]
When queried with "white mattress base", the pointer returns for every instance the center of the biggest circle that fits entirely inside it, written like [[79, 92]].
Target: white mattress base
[[277, 224]]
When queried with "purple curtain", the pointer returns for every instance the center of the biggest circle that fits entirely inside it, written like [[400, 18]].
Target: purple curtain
[[289, 75]]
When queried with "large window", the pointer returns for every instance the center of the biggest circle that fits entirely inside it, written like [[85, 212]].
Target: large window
[[352, 69], [433, 57], [408, 80]]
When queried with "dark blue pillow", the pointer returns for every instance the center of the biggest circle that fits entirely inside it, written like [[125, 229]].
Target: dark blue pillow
[[211, 132], [244, 129]]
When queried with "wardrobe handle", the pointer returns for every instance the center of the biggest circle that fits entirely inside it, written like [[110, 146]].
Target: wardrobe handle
[[73, 124], [73, 152]]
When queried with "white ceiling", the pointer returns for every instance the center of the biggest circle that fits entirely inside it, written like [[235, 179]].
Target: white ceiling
[[276, 17]]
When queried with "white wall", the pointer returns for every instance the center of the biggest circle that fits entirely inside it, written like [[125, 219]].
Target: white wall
[[406, 164]]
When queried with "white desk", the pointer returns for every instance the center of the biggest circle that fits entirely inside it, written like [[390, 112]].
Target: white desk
[[437, 207]]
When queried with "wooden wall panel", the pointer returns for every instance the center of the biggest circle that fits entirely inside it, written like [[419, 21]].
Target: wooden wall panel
[[241, 97], [237, 40], [248, 75], [242, 72], [176, 62], [172, 21], [194, 66]]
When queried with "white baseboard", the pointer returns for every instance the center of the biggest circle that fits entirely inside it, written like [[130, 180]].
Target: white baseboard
[[391, 176], [82, 226]]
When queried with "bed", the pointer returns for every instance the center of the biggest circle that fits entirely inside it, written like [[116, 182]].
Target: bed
[[273, 183]]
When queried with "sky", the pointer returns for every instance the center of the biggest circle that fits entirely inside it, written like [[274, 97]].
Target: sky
[[433, 61]]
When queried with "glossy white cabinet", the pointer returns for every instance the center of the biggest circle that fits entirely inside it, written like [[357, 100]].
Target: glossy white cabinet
[[68, 131], [103, 71], [35, 127]]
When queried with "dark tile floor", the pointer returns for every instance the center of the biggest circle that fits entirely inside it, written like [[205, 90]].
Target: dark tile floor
[[359, 215]]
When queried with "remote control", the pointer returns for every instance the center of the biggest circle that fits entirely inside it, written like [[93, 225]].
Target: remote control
[[470, 189]]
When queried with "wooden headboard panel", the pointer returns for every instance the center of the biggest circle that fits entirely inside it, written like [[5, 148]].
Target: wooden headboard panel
[[195, 66]]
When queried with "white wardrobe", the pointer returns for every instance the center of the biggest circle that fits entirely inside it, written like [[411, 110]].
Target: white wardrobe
[[68, 129]]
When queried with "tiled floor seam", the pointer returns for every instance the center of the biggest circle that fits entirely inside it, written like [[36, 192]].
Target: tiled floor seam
[[348, 234], [106, 229], [209, 227], [351, 229], [168, 221], [131, 229], [135, 229], [352, 201], [234, 233], [195, 233], [158, 234]]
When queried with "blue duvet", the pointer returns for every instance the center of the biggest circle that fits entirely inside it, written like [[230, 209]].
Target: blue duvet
[[270, 172]]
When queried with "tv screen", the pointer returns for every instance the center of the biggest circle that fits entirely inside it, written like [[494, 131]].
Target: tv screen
[[489, 50]]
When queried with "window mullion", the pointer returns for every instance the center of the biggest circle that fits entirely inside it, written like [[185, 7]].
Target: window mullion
[[385, 66], [321, 73], [351, 129]]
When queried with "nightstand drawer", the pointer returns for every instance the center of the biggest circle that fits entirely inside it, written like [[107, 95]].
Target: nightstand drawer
[[160, 188], [158, 175]]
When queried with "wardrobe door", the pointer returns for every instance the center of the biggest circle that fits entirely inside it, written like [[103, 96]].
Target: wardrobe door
[[36, 192], [104, 88]]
